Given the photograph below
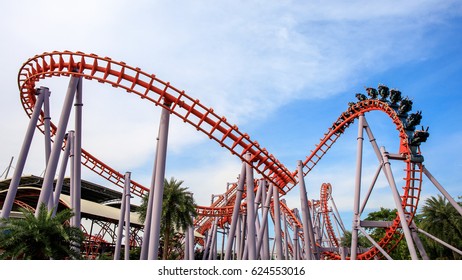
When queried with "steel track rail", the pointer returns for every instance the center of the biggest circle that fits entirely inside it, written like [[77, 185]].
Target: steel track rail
[[149, 87]]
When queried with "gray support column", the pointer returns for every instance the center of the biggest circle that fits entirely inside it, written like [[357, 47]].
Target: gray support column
[[120, 226], [71, 139], [337, 214], [186, 245], [397, 198], [306, 216], [222, 256], [258, 200], [62, 173], [286, 238], [264, 224], [418, 242], [277, 223], [251, 244], [147, 220], [159, 185], [47, 133], [295, 247], [213, 241], [376, 245], [371, 187], [371, 137], [46, 122], [440, 241], [442, 190], [236, 208], [9, 167], [238, 240], [50, 172], [267, 195], [78, 154], [208, 241], [191, 242], [14, 183], [127, 215], [243, 249], [356, 210]]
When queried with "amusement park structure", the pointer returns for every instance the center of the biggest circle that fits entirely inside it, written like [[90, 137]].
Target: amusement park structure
[[243, 211]]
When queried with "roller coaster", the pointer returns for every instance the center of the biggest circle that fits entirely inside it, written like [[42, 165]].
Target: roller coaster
[[242, 211]]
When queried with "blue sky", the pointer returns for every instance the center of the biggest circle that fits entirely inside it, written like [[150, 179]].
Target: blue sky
[[283, 71]]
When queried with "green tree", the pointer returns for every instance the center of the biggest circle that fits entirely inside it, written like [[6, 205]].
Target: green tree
[[439, 218], [39, 238], [397, 247], [178, 210], [363, 242]]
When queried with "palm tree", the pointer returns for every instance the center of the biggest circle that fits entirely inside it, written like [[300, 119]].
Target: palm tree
[[39, 238], [439, 218], [178, 211]]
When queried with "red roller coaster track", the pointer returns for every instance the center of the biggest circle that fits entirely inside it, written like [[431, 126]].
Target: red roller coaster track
[[191, 111]]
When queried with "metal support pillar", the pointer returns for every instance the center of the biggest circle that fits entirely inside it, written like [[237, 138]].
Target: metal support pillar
[[371, 187], [264, 224], [159, 185], [71, 138], [372, 140], [266, 195], [47, 133], [277, 223], [286, 238], [306, 216], [78, 155], [206, 244], [46, 122], [223, 243], [50, 171], [442, 190], [295, 247], [356, 210], [147, 219], [243, 248], [186, 245], [191, 242], [61, 174], [127, 214], [418, 242], [236, 209], [120, 227], [250, 211], [208, 241], [257, 202], [375, 244], [213, 240], [440, 241], [397, 198], [337, 214], [7, 171], [14, 183], [238, 240]]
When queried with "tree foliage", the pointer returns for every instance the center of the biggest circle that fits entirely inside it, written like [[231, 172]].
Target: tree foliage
[[178, 211], [439, 218], [39, 238]]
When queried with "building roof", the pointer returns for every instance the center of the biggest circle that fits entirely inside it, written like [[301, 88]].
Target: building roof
[[98, 202]]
